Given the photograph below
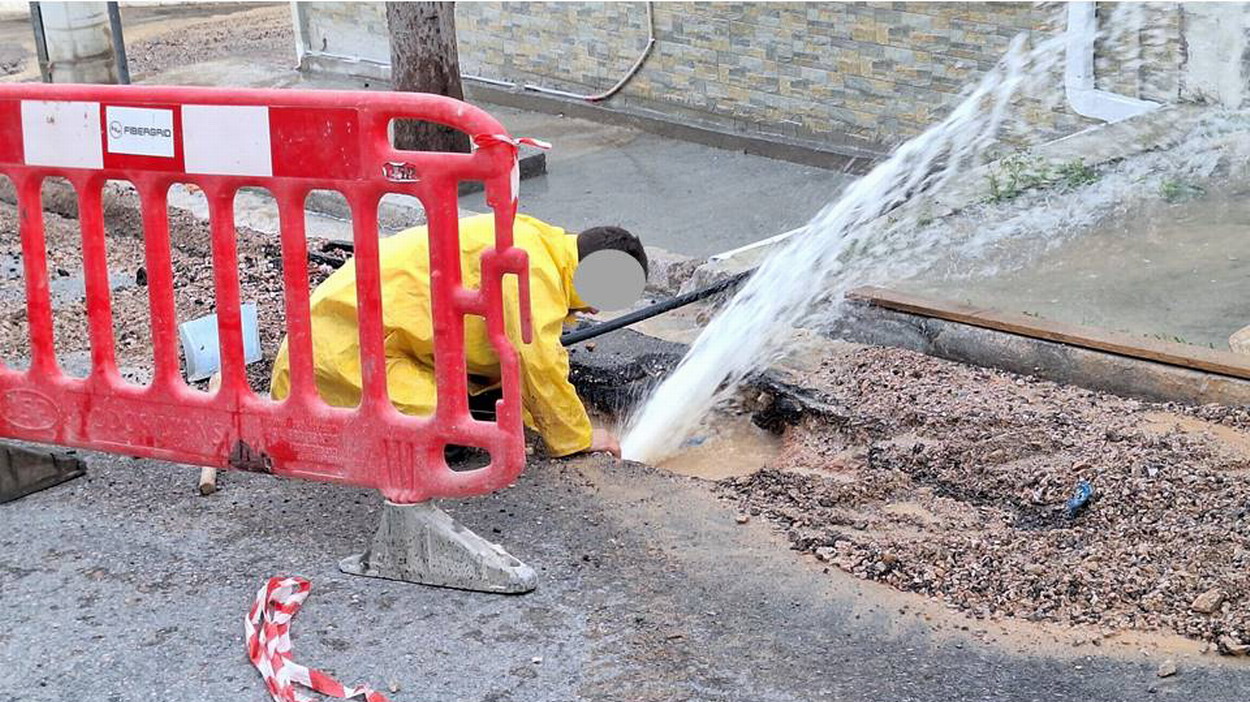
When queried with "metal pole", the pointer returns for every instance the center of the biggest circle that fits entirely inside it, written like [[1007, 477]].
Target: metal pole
[[659, 308], [41, 42], [119, 44]]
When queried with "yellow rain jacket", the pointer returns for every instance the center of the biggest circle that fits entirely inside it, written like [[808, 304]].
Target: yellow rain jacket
[[552, 407]]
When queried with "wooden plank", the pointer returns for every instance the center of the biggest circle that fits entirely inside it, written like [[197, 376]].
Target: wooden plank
[[1183, 355]]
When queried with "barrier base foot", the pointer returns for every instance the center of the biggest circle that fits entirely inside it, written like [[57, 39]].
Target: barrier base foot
[[23, 470], [421, 543]]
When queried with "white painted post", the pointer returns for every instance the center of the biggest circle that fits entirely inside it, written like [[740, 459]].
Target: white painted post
[[1216, 67], [80, 46]]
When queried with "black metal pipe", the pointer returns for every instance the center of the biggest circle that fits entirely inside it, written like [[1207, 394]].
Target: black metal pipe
[[658, 308], [41, 42], [119, 43]]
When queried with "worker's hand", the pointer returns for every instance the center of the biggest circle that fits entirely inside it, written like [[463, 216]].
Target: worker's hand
[[603, 440]]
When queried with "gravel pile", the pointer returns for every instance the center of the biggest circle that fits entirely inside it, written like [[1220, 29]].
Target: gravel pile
[[264, 34], [952, 481], [12, 60], [260, 279]]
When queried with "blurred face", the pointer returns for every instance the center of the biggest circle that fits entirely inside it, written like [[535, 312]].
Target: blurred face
[[609, 280]]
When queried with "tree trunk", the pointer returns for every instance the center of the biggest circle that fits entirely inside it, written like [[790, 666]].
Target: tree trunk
[[424, 60]]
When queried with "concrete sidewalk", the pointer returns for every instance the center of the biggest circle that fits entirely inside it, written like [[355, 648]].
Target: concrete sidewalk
[[687, 198]]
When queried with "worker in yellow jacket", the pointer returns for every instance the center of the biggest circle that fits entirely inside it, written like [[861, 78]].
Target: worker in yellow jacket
[[552, 407]]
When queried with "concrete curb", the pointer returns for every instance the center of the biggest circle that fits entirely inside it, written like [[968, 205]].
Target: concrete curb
[[851, 157], [668, 271], [1070, 365]]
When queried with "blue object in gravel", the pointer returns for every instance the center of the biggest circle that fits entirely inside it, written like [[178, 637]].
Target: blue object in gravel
[[200, 347], [1078, 501]]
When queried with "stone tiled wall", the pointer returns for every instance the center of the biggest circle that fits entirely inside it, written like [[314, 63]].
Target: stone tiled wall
[[852, 74], [1142, 53], [355, 30], [872, 73]]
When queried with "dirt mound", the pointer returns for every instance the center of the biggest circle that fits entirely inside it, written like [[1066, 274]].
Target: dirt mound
[[260, 281], [952, 481], [266, 32]]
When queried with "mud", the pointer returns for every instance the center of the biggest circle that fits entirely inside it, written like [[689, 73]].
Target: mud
[[732, 446], [951, 481]]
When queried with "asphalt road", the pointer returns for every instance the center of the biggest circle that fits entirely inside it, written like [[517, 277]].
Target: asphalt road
[[125, 585]]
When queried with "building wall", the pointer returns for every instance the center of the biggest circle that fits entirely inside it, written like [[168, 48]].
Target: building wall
[[348, 38], [850, 74], [349, 30], [870, 72], [1142, 52]]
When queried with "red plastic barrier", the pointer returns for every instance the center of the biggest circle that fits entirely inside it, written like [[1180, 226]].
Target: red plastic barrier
[[288, 142]]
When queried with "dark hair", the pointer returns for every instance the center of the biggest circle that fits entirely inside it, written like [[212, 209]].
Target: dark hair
[[602, 238]]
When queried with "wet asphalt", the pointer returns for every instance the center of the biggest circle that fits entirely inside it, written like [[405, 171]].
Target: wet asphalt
[[127, 585]]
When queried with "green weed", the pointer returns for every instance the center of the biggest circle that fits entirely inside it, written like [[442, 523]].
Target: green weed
[[1175, 191], [1014, 174], [1169, 337], [1075, 174]]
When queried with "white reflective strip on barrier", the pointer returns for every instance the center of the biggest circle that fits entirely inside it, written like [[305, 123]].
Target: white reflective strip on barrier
[[226, 140], [62, 134]]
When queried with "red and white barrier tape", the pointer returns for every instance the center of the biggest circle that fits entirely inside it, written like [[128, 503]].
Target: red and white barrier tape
[[268, 629], [490, 139], [493, 139]]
